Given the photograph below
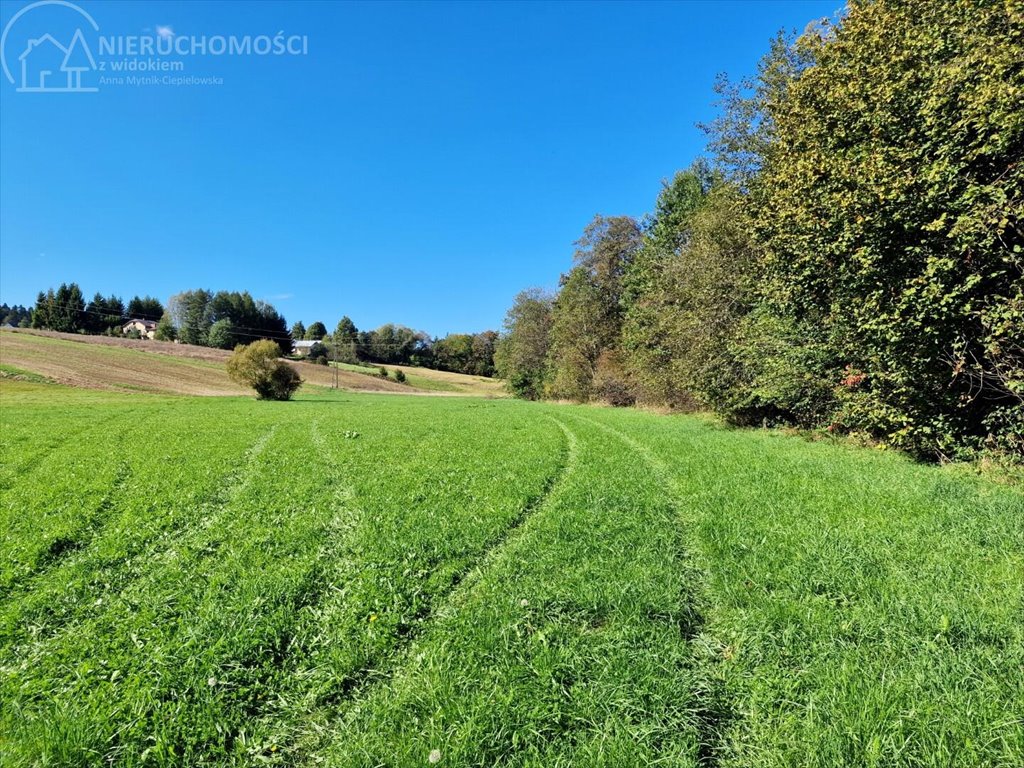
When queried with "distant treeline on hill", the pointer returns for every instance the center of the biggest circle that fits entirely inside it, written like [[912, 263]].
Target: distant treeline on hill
[[399, 345], [228, 318], [850, 260], [16, 315]]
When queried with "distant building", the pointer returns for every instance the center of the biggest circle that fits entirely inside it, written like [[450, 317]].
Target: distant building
[[303, 347], [145, 328]]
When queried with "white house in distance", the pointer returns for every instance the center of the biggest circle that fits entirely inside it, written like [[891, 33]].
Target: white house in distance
[[146, 328], [303, 347]]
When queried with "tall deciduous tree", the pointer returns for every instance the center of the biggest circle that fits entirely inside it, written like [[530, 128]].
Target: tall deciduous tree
[[316, 331], [192, 315], [587, 316], [165, 330], [521, 354], [394, 344], [485, 344], [653, 291], [221, 335], [454, 352]]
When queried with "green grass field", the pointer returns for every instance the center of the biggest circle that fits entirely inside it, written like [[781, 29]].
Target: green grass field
[[378, 580]]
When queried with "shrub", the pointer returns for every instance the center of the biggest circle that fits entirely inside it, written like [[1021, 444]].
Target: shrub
[[611, 385], [318, 354], [165, 330], [383, 372], [256, 365], [400, 376]]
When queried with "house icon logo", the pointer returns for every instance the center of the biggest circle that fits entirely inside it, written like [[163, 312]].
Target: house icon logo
[[37, 74], [45, 63]]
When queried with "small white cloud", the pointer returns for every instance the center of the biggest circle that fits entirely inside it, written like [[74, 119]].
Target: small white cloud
[[166, 32], [282, 296]]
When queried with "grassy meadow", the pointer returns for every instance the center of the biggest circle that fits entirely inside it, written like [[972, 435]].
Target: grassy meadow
[[376, 580]]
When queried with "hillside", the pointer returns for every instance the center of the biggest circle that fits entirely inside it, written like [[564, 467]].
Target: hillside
[[126, 365], [439, 382]]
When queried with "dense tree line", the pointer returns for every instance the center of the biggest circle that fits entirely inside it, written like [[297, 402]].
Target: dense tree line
[[851, 258], [399, 345], [222, 319], [16, 315], [66, 310], [226, 319], [471, 353]]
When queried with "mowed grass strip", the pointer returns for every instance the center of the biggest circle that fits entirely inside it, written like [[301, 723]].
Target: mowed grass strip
[[859, 609], [202, 618]]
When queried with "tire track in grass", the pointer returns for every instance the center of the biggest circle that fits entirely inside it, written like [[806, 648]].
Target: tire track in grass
[[470, 573], [234, 482], [316, 582], [189, 579], [231, 485], [61, 532], [508, 537], [278, 654], [28, 463], [65, 545], [714, 713], [559, 653], [250, 719], [381, 668], [329, 567]]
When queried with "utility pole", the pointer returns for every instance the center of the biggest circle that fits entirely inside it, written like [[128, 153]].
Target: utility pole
[[334, 350]]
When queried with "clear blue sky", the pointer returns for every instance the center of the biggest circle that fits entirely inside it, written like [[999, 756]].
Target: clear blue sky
[[421, 164]]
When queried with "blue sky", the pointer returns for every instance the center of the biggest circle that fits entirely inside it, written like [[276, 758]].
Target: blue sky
[[420, 164]]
